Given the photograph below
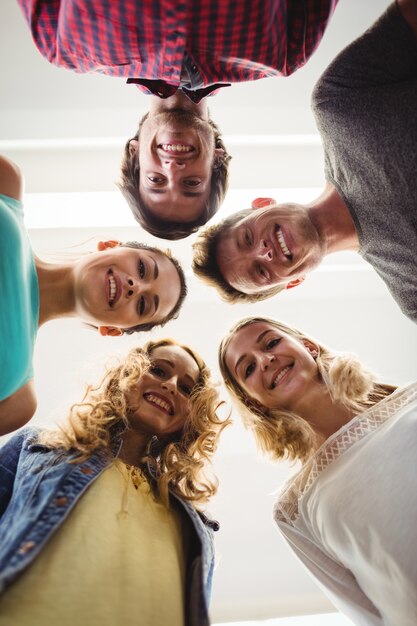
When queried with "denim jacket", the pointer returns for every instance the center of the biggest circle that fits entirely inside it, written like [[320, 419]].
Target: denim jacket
[[38, 489]]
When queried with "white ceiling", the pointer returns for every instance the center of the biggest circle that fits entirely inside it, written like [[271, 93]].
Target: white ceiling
[[66, 131]]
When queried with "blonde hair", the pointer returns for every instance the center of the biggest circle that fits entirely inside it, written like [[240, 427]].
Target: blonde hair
[[284, 434], [177, 462]]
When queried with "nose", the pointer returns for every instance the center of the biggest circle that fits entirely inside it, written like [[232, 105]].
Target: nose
[[170, 385], [264, 250], [173, 164], [132, 287], [266, 360]]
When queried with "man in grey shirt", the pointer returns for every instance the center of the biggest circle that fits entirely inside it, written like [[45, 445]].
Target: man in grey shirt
[[365, 106]]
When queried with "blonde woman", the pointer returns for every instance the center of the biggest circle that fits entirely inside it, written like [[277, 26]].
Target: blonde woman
[[349, 513], [119, 289], [100, 520]]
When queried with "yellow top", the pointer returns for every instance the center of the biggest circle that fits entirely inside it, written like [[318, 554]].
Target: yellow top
[[118, 559]]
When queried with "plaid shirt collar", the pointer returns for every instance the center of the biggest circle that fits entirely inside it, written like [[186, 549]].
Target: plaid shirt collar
[[164, 90]]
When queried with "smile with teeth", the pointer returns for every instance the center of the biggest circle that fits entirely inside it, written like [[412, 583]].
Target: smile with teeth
[[282, 244], [176, 147], [159, 402], [280, 376], [112, 288]]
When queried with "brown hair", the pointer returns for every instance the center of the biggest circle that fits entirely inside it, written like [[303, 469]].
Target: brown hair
[[206, 267], [129, 186], [178, 462], [283, 434]]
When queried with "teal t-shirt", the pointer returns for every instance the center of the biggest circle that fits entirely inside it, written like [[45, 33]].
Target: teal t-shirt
[[19, 302]]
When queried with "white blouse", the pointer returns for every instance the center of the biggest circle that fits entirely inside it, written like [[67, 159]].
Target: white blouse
[[350, 514]]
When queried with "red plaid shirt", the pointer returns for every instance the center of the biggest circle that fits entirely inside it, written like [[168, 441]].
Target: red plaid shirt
[[170, 43]]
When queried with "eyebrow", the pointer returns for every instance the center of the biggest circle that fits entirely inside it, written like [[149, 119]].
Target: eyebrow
[[186, 194], [238, 237], [241, 231], [258, 340], [155, 269], [170, 363]]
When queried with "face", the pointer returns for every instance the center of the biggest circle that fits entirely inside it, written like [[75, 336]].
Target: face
[[271, 367], [271, 246], [161, 401], [120, 287], [176, 154]]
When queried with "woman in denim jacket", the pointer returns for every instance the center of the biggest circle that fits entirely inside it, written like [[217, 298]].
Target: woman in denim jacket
[[103, 509]]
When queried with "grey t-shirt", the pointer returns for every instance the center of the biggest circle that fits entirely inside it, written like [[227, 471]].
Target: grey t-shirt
[[365, 106]]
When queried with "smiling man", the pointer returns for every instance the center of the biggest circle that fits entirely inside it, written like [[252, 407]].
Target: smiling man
[[177, 172], [175, 169], [365, 106]]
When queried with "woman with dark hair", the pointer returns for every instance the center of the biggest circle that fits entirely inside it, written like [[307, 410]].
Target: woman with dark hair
[[121, 288], [100, 519], [349, 513]]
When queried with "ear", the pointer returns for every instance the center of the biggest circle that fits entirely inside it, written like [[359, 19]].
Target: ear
[[261, 203], [218, 152], [311, 347], [133, 147], [295, 282], [110, 331], [105, 245]]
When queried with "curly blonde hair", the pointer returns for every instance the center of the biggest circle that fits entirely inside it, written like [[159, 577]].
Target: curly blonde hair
[[178, 462], [284, 434]]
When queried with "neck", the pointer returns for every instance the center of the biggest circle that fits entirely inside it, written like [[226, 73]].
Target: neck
[[323, 414], [333, 221], [178, 101], [133, 447], [56, 291]]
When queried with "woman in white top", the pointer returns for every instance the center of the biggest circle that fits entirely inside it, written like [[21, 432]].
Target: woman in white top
[[350, 512]]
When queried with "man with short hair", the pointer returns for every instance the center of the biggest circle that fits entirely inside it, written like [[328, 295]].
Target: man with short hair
[[365, 107], [175, 168]]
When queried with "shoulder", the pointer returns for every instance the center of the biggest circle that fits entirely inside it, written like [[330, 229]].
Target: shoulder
[[319, 94], [11, 179], [23, 438], [14, 450], [17, 409], [324, 92]]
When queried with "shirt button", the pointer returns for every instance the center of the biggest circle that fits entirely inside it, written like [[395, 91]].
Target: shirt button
[[61, 501], [26, 547], [194, 68]]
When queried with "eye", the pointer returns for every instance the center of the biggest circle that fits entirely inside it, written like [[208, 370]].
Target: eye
[[157, 371], [248, 237], [141, 269], [248, 370], [155, 179], [185, 389], [192, 182], [261, 271], [273, 342]]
